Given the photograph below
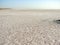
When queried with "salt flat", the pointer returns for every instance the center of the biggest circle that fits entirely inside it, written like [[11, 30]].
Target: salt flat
[[29, 27]]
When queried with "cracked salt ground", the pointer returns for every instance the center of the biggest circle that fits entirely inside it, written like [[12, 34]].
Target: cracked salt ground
[[34, 39], [24, 30]]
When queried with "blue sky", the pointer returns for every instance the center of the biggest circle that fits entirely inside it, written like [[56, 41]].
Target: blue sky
[[30, 4]]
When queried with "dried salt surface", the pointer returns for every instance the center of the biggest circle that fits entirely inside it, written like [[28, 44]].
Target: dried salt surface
[[29, 28]]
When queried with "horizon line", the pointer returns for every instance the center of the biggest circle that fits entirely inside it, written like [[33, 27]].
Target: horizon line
[[27, 9]]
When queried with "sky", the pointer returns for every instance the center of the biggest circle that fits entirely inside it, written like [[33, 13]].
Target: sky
[[30, 4]]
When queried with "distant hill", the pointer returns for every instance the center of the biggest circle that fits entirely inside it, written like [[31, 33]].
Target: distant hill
[[5, 8]]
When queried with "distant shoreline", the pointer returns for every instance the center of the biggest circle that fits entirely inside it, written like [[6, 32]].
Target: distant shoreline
[[30, 9]]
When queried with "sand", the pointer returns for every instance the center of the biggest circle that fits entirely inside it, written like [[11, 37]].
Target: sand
[[29, 27]]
